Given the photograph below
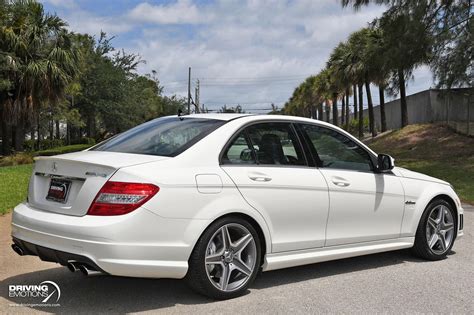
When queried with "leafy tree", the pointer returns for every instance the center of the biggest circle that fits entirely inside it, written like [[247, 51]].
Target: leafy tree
[[236, 109], [42, 62]]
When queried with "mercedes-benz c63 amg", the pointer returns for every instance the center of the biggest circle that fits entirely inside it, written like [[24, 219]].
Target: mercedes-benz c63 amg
[[215, 198]]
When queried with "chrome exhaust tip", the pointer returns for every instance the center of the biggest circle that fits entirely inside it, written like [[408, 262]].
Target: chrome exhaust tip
[[72, 266], [88, 272], [17, 249]]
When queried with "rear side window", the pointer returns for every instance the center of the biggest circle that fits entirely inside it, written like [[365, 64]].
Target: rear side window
[[167, 136], [265, 144], [276, 144], [239, 151]]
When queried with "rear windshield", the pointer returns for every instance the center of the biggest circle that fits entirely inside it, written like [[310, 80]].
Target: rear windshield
[[166, 136]]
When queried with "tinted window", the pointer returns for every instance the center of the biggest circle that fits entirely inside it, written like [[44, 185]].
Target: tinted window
[[275, 143], [239, 152], [335, 150], [167, 136]]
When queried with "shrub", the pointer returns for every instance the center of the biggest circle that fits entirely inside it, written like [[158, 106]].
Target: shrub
[[62, 150], [29, 145], [354, 126], [83, 140], [16, 159]]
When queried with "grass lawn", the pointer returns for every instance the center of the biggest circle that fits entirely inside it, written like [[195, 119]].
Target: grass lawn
[[433, 150], [13, 185], [15, 173]]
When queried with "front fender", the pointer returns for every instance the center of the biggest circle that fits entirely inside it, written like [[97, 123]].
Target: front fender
[[422, 193]]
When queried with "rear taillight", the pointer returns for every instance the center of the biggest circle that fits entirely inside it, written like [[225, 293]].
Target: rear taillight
[[116, 198]]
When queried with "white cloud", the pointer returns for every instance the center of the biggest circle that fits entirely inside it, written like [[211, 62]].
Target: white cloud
[[280, 41], [85, 22], [68, 4], [180, 12], [250, 52]]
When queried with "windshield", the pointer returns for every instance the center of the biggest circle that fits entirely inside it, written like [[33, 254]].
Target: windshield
[[166, 136]]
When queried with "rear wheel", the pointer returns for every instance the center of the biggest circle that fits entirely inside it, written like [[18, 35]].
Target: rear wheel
[[225, 260], [436, 231]]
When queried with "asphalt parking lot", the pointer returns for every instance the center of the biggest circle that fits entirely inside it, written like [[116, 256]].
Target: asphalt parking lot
[[392, 282]]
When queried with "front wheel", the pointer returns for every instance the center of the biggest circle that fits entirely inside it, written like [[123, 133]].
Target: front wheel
[[225, 260], [436, 231]]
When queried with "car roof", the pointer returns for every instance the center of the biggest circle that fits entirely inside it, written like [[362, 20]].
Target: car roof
[[257, 117], [218, 116]]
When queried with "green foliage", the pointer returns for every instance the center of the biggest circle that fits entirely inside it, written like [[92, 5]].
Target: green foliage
[[438, 33], [62, 150], [16, 159], [112, 97], [29, 145], [50, 77], [236, 109], [13, 186], [27, 157], [353, 127], [46, 144], [84, 140], [40, 62]]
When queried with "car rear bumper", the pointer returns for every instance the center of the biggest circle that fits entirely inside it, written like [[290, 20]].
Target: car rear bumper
[[138, 244]]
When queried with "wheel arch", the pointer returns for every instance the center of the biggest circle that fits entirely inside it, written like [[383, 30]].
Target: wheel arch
[[263, 234], [423, 197], [452, 203], [427, 201]]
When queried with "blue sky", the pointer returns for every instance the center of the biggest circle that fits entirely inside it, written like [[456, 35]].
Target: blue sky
[[252, 52]]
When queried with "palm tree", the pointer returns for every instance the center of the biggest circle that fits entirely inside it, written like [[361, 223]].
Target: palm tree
[[341, 79], [39, 46], [408, 37], [355, 70], [380, 71]]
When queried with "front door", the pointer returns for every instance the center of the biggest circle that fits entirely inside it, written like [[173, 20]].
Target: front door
[[364, 205]]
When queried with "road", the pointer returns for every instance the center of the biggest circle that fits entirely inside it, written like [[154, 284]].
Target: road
[[392, 282]]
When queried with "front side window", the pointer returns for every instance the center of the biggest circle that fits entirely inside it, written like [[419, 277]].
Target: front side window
[[335, 150], [167, 136]]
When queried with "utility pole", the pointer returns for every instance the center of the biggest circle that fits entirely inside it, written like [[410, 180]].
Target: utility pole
[[189, 91], [196, 96]]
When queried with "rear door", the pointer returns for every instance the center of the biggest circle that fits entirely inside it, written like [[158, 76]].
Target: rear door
[[365, 205], [268, 165]]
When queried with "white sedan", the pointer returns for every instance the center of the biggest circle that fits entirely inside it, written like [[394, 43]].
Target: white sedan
[[215, 198]]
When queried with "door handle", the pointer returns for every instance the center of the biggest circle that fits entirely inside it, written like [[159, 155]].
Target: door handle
[[340, 182], [259, 177]]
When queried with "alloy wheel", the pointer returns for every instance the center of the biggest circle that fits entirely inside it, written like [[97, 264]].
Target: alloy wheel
[[440, 229], [231, 257]]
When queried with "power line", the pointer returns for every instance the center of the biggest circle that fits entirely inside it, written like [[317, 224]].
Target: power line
[[256, 78], [244, 103], [214, 80]]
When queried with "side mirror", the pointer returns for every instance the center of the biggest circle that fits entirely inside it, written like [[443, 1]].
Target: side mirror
[[246, 155], [385, 163]]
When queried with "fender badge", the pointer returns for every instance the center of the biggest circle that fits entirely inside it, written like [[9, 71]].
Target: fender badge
[[409, 202]]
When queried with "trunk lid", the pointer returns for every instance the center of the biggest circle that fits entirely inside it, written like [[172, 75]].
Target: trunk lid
[[82, 174]]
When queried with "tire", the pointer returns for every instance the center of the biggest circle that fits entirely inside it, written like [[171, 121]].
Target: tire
[[207, 278], [426, 229]]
